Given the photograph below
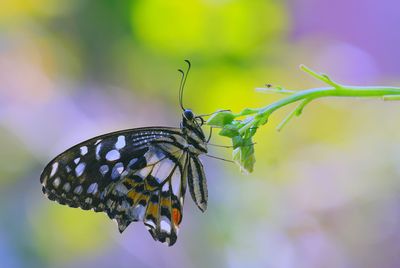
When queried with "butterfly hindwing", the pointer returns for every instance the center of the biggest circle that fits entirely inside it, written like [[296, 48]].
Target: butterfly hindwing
[[154, 195]]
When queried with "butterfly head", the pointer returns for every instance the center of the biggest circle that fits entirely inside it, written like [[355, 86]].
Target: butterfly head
[[189, 119], [188, 114]]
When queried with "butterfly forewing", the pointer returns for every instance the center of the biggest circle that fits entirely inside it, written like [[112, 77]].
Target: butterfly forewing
[[132, 175]]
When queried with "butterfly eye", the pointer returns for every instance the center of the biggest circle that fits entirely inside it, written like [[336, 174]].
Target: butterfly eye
[[188, 114]]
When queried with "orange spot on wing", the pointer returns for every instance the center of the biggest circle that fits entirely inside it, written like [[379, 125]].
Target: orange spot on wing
[[129, 181], [134, 196], [176, 216], [152, 210], [165, 202]]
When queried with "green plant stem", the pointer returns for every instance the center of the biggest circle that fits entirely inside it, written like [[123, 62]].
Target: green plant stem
[[260, 116], [344, 91]]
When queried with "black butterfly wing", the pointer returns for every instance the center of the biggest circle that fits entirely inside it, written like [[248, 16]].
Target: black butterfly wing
[[132, 175]]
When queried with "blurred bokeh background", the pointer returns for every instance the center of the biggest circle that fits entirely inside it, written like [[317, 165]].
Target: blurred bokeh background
[[325, 191]]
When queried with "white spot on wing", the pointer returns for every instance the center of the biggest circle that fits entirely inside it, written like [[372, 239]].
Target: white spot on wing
[[117, 170], [78, 189], [98, 147], [104, 169], [68, 168], [162, 169], [120, 142], [132, 162], [84, 150], [176, 182], [77, 160], [92, 189], [165, 225], [67, 187], [144, 172], [54, 168], [137, 212], [165, 187], [56, 182], [121, 189], [79, 169], [88, 200], [150, 223], [113, 155]]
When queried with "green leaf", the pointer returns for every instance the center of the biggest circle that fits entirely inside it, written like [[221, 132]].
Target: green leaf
[[229, 131], [220, 119], [237, 141], [244, 156]]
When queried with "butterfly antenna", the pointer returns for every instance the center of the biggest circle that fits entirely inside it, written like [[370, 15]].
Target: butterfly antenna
[[183, 82], [181, 88]]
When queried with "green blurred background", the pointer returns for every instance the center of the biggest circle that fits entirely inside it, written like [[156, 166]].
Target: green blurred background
[[325, 191]]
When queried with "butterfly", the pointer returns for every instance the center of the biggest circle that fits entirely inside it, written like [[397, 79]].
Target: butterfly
[[132, 175]]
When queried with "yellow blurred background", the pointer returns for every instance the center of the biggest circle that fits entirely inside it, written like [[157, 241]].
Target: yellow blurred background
[[325, 191]]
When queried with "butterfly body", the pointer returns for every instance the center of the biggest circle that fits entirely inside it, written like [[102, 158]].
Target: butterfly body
[[134, 175]]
